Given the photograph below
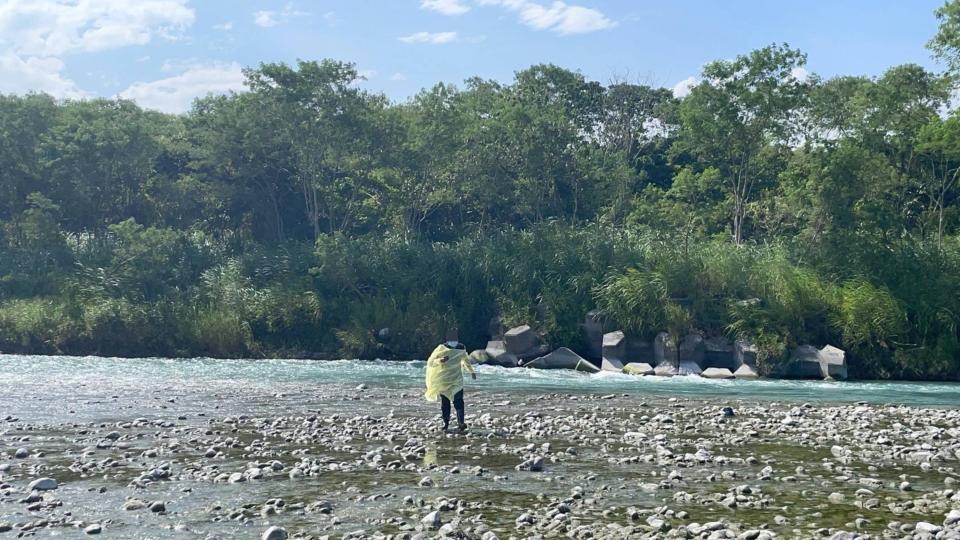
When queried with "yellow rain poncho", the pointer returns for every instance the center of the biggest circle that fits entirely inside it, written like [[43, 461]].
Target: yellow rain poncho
[[446, 378]]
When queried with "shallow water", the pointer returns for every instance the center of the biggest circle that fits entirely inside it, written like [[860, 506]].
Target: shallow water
[[86, 382], [61, 408]]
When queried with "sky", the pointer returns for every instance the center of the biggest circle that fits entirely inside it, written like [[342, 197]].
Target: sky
[[164, 53]]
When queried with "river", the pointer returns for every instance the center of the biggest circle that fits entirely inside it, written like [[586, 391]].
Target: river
[[82, 381], [351, 449]]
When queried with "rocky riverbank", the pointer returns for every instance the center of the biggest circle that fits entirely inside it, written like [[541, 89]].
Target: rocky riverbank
[[713, 358], [368, 462]]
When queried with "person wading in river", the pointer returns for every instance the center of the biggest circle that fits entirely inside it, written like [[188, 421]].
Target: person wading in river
[[445, 377]]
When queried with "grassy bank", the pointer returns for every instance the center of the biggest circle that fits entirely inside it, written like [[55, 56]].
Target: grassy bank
[[332, 297]]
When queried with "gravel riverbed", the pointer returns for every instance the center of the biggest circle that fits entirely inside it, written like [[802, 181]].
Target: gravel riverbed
[[368, 461]]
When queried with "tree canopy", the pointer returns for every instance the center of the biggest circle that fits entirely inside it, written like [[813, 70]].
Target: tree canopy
[[305, 213]]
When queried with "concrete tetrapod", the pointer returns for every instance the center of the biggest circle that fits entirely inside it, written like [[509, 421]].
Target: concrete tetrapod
[[717, 373], [562, 358]]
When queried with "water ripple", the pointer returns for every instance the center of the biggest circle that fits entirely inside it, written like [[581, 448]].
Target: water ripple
[[91, 379]]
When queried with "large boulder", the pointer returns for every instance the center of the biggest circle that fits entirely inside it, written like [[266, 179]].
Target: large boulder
[[692, 349], [638, 368], [520, 339], [718, 352], [497, 355], [664, 349], [834, 362], [562, 358], [717, 373]]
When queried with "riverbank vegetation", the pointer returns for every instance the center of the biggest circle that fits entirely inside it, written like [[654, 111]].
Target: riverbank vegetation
[[305, 214]]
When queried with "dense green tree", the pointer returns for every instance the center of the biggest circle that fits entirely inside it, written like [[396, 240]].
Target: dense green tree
[[939, 147], [636, 124], [99, 159], [946, 43], [742, 112], [324, 123], [426, 182], [550, 112], [305, 214], [23, 122], [239, 147]]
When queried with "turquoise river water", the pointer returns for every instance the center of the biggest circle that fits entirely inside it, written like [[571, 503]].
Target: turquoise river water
[[84, 382]]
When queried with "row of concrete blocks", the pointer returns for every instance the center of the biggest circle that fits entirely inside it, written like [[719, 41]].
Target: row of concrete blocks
[[521, 346], [720, 358], [713, 358]]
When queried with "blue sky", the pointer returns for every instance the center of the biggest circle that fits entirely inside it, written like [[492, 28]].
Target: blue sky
[[163, 53]]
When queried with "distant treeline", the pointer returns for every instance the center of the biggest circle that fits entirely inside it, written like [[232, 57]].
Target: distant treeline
[[306, 213]]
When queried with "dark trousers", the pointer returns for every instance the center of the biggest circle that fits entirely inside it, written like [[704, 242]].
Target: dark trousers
[[445, 408]]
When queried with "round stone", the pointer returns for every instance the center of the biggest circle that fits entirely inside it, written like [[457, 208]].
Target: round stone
[[274, 533], [43, 484]]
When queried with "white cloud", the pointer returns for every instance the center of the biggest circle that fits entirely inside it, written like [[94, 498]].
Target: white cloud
[[175, 94], [265, 19], [446, 7], [32, 74], [36, 35], [560, 17], [682, 88], [268, 18], [44, 28], [435, 38], [226, 27], [398, 77]]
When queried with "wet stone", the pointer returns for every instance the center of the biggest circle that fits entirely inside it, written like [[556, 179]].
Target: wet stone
[[134, 504], [43, 484], [612, 466], [274, 533], [431, 520]]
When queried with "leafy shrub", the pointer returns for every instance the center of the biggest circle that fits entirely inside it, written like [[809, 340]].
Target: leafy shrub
[[37, 325], [635, 301], [221, 333]]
